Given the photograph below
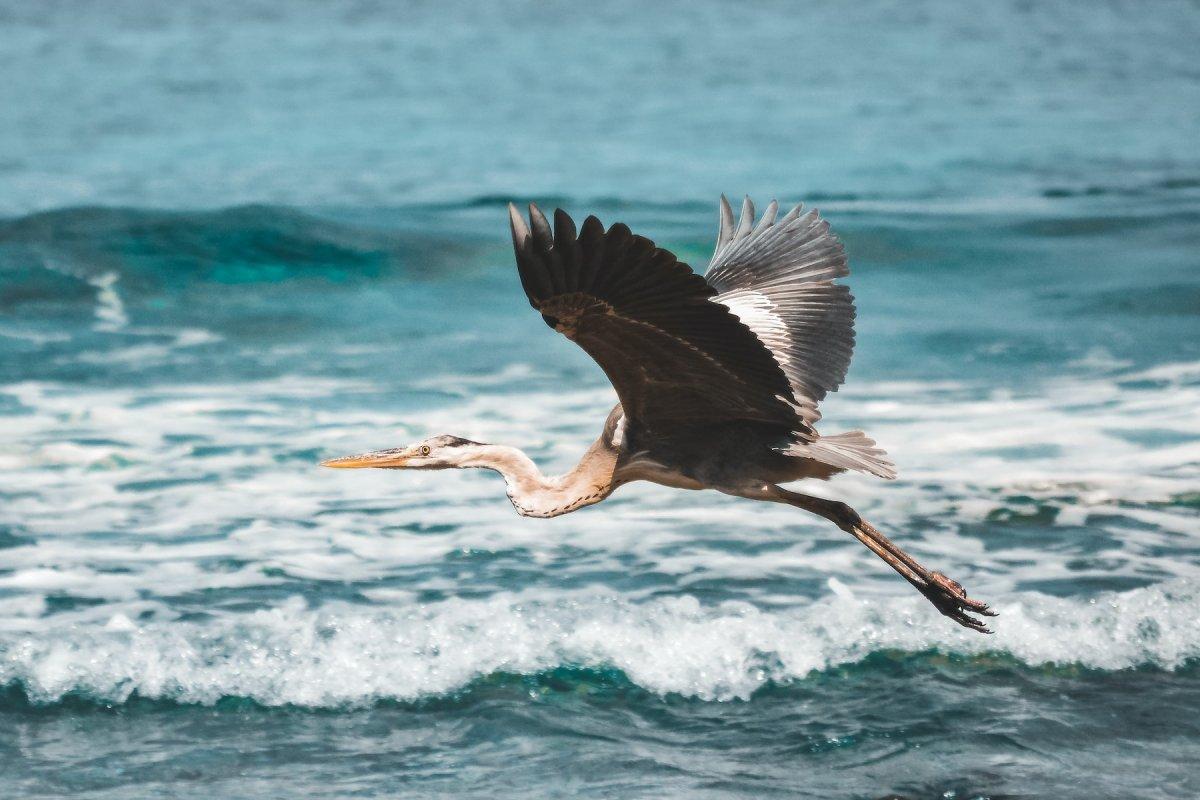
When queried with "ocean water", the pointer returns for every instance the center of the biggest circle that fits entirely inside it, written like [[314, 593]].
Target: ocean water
[[237, 238]]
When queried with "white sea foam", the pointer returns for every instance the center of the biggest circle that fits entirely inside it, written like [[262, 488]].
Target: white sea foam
[[125, 501], [341, 655], [110, 310]]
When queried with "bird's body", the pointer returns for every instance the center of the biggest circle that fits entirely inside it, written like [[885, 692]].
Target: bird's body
[[718, 376], [717, 461]]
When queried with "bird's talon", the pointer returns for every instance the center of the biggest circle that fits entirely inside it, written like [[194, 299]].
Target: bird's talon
[[951, 599]]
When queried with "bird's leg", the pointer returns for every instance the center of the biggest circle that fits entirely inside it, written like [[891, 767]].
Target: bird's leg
[[945, 594]]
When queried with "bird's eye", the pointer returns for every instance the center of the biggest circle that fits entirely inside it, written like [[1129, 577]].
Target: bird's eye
[[424, 450]]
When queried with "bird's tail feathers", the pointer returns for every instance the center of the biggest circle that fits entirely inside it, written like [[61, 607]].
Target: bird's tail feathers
[[851, 450]]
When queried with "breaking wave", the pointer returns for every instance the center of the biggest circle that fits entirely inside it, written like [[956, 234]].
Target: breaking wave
[[341, 656]]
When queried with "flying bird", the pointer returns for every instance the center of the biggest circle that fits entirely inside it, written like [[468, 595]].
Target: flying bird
[[718, 376]]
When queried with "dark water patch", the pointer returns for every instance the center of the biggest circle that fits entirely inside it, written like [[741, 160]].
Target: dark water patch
[[247, 599], [11, 405], [99, 442], [340, 507], [710, 589], [54, 255], [57, 602], [1098, 224], [432, 528], [1178, 184], [1080, 582], [208, 451], [1185, 500], [1087, 191], [1153, 437], [1104, 518], [12, 536], [893, 724], [1028, 512], [159, 484], [24, 281], [1146, 384], [185, 438], [1038, 529], [1024, 452], [1166, 299]]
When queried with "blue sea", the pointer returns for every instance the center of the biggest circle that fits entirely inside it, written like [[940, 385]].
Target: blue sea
[[237, 238]]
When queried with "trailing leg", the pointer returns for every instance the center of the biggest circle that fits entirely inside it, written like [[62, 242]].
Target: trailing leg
[[945, 594]]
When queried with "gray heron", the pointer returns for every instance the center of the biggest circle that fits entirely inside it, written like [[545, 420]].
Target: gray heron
[[718, 376]]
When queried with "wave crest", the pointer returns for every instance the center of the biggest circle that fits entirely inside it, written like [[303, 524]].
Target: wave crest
[[344, 655]]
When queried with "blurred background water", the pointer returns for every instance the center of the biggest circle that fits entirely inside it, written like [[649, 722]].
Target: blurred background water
[[240, 237]]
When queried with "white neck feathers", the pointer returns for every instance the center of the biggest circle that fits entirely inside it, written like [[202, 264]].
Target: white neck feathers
[[536, 495]]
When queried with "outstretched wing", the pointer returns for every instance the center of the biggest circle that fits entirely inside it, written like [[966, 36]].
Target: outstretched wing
[[675, 357], [777, 277]]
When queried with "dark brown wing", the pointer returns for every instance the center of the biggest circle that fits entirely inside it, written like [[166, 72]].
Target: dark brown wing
[[675, 357]]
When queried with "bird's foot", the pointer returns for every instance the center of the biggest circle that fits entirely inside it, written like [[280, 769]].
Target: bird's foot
[[949, 597]]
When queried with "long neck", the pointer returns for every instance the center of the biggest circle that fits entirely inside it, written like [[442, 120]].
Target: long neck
[[536, 495]]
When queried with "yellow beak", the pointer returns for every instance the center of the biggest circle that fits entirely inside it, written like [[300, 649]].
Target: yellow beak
[[380, 458]]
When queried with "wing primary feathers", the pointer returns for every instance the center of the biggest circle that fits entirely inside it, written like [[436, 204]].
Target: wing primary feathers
[[746, 220], [541, 228], [564, 228], [520, 231], [567, 248], [778, 279], [768, 218], [726, 231], [592, 254], [535, 278], [543, 246]]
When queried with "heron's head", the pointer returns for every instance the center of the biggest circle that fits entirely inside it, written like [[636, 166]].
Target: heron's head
[[438, 452]]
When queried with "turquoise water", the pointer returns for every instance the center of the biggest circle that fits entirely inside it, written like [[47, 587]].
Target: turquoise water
[[239, 238]]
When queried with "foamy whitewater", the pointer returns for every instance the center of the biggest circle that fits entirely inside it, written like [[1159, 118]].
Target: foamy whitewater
[[238, 239], [404, 546]]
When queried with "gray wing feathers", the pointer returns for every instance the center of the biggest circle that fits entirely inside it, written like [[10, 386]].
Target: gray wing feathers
[[777, 276], [745, 221], [725, 234], [851, 450], [768, 217]]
